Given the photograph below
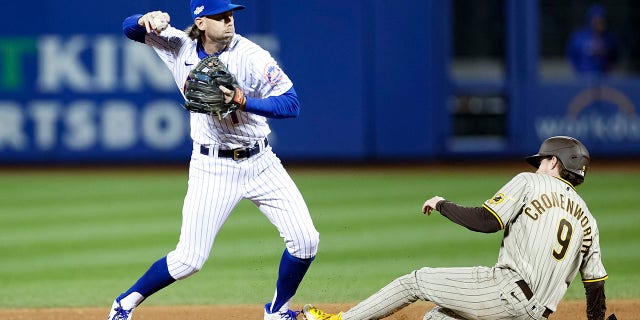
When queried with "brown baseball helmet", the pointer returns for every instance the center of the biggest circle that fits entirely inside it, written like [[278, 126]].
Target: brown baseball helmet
[[571, 152]]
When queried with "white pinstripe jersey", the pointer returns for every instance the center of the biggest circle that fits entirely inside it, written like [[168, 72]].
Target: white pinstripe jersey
[[549, 235], [257, 73]]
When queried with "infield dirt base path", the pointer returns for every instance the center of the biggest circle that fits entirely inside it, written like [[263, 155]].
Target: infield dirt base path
[[569, 310]]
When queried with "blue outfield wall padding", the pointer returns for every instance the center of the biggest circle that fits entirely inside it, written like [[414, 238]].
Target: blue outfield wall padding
[[373, 79]]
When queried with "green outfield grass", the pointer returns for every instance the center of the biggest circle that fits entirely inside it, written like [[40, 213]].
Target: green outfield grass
[[78, 238]]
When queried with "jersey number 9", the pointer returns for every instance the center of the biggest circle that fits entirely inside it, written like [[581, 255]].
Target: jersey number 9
[[564, 238]]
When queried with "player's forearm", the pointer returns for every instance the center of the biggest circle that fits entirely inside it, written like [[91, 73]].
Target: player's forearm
[[596, 300], [473, 218], [132, 29], [277, 107]]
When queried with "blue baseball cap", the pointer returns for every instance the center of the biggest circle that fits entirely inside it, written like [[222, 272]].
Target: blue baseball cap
[[201, 8]]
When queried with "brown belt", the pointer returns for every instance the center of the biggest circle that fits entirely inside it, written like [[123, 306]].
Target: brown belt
[[529, 294]]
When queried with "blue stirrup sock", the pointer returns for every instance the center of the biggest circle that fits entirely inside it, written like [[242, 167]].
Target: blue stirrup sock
[[290, 275], [156, 278]]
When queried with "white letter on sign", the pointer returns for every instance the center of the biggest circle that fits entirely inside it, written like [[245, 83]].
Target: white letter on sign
[[163, 125], [118, 125]]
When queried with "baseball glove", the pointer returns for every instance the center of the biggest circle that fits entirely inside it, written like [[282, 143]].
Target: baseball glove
[[202, 91]]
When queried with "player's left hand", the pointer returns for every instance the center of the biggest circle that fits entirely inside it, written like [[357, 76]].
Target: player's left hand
[[234, 96], [430, 204]]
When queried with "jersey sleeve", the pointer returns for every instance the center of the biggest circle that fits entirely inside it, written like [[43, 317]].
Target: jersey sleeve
[[275, 107], [167, 44], [591, 268], [473, 218], [508, 201], [132, 29], [268, 77]]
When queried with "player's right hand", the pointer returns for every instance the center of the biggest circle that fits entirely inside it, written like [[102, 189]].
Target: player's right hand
[[155, 21], [430, 204]]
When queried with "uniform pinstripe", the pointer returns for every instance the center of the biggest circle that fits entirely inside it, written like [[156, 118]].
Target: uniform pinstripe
[[231, 158], [216, 185], [549, 232], [549, 235], [248, 62]]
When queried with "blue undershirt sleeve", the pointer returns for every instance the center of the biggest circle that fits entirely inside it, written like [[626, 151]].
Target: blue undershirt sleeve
[[277, 107], [132, 29]]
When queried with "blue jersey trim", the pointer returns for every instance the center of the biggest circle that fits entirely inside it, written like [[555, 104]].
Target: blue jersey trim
[[276, 107], [132, 29]]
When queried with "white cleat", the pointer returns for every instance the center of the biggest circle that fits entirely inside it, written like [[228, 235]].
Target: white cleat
[[119, 313], [279, 315]]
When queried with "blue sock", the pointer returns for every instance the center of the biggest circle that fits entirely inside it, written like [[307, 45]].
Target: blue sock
[[290, 274], [156, 278]]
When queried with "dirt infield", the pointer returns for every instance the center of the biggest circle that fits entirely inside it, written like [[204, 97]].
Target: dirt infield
[[568, 310]]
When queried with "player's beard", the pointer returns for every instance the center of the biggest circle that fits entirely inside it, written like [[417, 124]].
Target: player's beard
[[226, 40], [221, 40], [227, 35]]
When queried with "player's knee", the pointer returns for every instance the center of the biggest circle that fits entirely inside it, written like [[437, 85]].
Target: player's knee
[[305, 248], [182, 268], [184, 271], [314, 241], [409, 282]]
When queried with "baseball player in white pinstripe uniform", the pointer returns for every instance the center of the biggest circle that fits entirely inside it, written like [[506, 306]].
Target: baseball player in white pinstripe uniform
[[549, 235], [232, 159]]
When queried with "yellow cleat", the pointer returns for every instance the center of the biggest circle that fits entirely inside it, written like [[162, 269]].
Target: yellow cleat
[[312, 313]]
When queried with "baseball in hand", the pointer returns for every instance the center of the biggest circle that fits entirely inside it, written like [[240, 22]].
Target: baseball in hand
[[159, 23]]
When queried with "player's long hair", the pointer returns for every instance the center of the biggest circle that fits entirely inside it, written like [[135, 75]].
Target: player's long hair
[[193, 32]]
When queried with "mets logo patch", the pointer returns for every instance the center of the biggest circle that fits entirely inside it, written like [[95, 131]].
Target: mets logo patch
[[498, 198], [273, 74]]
